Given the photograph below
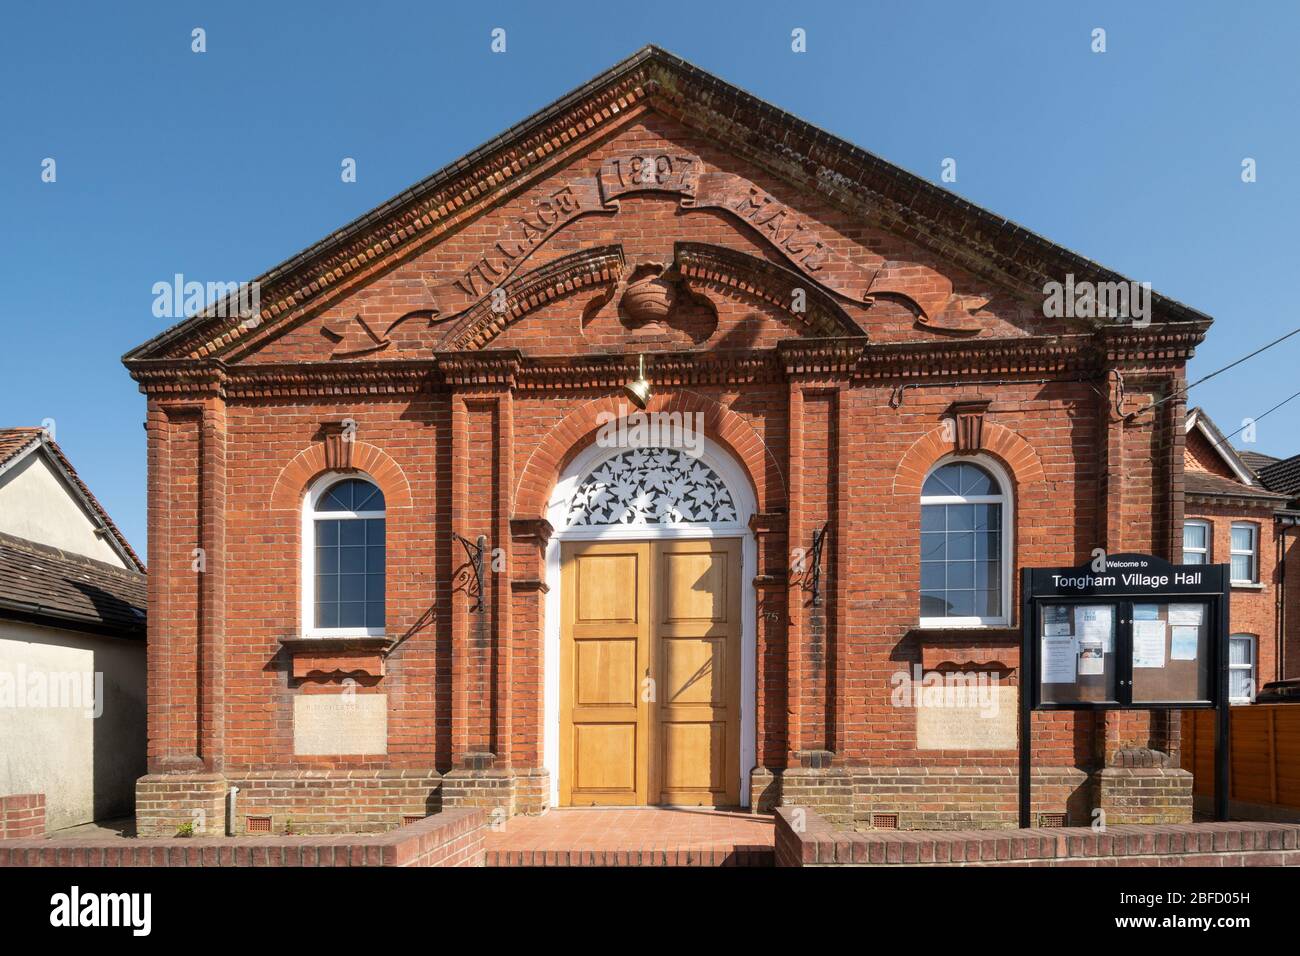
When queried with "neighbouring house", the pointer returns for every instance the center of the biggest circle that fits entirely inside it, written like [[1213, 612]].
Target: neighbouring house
[[652, 453], [1234, 517], [72, 640], [1282, 476]]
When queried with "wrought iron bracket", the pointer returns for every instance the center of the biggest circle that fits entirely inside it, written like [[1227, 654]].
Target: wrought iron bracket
[[469, 578], [815, 555]]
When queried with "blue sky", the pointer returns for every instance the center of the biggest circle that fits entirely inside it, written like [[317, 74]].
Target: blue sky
[[221, 165]]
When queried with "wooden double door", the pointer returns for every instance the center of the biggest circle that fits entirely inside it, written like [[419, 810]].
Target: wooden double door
[[650, 653]]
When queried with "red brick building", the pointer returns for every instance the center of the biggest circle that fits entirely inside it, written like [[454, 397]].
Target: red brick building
[[889, 427], [1239, 512]]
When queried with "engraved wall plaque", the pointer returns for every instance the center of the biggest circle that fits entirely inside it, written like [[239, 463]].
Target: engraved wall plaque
[[970, 727], [338, 724]]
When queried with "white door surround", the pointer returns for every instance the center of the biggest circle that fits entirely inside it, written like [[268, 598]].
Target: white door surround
[[557, 512]]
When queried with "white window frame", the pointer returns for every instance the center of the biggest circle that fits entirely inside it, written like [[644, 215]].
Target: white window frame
[[1252, 667], [1008, 530], [1209, 539], [1253, 552], [309, 516]]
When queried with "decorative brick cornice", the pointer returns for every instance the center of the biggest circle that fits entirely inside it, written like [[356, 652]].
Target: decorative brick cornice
[[664, 369], [493, 370], [820, 358], [1164, 344], [180, 379], [851, 358]]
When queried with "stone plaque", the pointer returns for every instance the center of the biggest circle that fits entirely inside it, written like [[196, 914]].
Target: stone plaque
[[335, 724], [970, 727]]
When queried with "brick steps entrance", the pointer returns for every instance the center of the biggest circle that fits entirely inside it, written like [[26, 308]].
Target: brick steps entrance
[[639, 836]]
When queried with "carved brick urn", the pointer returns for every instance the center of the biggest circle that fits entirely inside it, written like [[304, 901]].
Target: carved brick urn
[[649, 298]]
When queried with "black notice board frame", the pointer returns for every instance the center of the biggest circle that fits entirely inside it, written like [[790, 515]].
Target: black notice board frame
[[1122, 581]]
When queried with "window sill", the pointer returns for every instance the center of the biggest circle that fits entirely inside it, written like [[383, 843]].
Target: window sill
[[337, 656], [979, 646], [939, 626], [1246, 585]]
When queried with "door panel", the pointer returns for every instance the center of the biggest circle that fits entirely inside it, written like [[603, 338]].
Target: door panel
[[669, 610], [697, 650], [603, 658]]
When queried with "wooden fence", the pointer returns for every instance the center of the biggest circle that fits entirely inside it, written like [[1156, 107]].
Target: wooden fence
[[1265, 766]]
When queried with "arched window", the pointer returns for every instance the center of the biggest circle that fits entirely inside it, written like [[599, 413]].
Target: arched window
[[343, 558], [965, 545]]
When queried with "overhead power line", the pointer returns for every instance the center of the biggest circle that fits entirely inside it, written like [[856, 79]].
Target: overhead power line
[[1182, 392]]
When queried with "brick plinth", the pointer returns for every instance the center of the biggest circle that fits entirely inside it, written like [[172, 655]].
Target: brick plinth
[[764, 790], [828, 790], [1145, 795], [22, 816], [166, 802], [335, 801], [493, 790], [532, 792]]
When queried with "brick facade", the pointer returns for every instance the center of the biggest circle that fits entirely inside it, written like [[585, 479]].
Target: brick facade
[[834, 409], [1220, 495]]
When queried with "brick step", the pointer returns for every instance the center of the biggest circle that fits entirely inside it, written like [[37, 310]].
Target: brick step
[[676, 856]]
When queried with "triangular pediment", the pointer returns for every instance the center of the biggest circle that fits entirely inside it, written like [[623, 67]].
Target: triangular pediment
[[815, 216]]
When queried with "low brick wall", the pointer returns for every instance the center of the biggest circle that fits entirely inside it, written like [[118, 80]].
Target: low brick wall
[[295, 801], [22, 816], [967, 798], [964, 798], [453, 838], [803, 838], [335, 801]]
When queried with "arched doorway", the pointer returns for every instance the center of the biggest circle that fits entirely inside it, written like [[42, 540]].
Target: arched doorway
[[650, 629]]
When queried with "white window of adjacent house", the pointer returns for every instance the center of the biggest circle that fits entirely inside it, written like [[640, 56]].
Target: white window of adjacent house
[[966, 527], [1196, 542], [1245, 553], [1241, 668]]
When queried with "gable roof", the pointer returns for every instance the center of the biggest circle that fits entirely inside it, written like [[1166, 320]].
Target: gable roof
[[17, 443], [1197, 419], [49, 586], [796, 151]]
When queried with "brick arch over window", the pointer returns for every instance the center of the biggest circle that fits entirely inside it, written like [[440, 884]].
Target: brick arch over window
[[578, 431], [1000, 442], [310, 464]]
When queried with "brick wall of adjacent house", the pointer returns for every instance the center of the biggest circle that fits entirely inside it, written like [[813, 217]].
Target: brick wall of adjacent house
[[1253, 610], [229, 469], [22, 815]]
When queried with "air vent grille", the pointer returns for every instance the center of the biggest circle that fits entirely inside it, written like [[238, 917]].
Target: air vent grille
[[258, 825], [1053, 820], [884, 821]]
